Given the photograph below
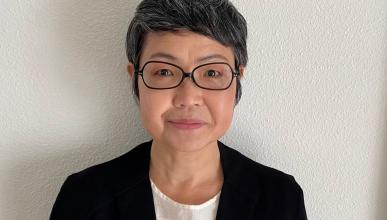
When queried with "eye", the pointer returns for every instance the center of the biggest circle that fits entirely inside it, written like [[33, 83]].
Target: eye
[[164, 72], [212, 73]]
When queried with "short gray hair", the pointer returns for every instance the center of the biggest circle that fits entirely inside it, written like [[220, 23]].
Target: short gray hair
[[217, 19]]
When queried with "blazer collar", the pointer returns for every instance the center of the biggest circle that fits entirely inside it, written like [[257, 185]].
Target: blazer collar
[[238, 197], [134, 193]]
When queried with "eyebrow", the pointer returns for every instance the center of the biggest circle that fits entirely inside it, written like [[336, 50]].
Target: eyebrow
[[201, 59], [213, 56], [163, 55]]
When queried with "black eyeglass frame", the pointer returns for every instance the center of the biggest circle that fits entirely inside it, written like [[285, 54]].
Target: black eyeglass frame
[[138, 72]]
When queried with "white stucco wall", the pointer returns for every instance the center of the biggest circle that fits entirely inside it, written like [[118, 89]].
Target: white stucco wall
[[313, 105]]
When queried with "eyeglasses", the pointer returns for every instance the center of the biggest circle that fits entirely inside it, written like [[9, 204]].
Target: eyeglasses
[[163, 75]]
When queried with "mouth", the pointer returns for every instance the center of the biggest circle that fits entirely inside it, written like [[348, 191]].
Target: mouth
[[187, 124]]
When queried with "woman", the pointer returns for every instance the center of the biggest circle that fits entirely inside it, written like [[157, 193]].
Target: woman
[[186, 59]]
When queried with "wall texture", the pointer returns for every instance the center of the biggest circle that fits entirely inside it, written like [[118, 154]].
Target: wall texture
[[314, 102]]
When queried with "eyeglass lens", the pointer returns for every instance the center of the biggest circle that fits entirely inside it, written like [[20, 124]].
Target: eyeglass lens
[[161, 75]]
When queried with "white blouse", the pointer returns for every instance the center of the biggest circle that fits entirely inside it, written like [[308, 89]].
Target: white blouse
[[168, 209]]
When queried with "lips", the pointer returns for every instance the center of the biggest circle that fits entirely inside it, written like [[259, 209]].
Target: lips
[[187, 123]]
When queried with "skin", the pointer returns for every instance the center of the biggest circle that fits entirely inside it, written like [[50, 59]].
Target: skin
[[185, 164]]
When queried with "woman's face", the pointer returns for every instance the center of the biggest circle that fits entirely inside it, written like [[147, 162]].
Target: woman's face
[[186, 118]]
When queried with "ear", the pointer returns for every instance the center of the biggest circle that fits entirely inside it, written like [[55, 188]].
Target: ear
[[241, 71], [130, 69]]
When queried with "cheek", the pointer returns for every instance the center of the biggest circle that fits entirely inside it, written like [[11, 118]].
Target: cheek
[[221, 107], [153, 104]]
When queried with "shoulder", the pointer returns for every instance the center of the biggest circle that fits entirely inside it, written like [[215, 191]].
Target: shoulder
[[84, 191], [112, 173], [271, 189], [236, 163]]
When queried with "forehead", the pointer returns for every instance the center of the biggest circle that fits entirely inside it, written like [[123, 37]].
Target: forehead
[[184, 47]]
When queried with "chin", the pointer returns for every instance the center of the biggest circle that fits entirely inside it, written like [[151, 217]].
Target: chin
[[188, 145]]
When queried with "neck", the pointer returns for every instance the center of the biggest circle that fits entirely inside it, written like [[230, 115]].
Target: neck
[[188, 169]]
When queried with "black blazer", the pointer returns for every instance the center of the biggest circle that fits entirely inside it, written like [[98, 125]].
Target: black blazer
[[121, 189]]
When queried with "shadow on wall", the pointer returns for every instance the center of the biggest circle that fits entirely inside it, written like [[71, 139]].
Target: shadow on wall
[[382, 193], [35, 180], [381, 212]]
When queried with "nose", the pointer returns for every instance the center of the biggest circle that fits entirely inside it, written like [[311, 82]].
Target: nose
[[188, 94]]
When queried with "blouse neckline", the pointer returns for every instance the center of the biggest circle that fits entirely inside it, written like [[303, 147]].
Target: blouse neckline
[[181, 205]]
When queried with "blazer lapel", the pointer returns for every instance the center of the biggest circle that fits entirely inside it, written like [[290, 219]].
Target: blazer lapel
[[133, 194], [238, 196], [137, 202]]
